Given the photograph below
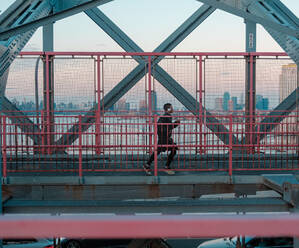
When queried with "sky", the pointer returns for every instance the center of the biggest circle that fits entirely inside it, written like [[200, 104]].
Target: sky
[[149, 22]]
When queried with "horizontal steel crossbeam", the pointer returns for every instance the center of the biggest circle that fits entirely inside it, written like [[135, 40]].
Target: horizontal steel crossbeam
[[162, 206]]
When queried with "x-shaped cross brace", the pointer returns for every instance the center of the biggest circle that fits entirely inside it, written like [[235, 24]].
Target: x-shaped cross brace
[[161, 75]]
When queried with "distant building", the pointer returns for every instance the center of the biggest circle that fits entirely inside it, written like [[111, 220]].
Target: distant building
[[218, 104], [142, 106], [154, 101], [287, 84], [262, 103], [121, 105], [127, 106], [265, 103], [230, 105], [235, 103], [226, 98], [287, 80]]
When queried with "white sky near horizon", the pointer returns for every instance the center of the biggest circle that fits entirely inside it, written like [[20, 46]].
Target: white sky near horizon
[[148, 23]]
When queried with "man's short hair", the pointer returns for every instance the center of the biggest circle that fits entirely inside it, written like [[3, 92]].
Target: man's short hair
[[167, 106]]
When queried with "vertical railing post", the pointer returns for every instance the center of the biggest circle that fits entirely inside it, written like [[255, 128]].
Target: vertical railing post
[[48, 129], [43, 131], [251, 107], [250, 102], [80, 146], [4, 154], [150, 101], [258, 135], [230, 165], [98, 111], [200, 104], [155, 145]]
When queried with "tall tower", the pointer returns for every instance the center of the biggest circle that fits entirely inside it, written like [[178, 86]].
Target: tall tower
[[226, 98], [288, 82]]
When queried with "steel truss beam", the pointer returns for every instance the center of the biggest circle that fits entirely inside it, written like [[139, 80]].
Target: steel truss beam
[[14, 10], [16, 43], [11, 49], [5, 34], [246, 15], [18, 118], [165, 79], [161, 75], [277, 115], [277, 12]]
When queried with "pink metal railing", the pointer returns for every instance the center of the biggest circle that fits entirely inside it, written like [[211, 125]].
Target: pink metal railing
[[192, 226], [123, 143]]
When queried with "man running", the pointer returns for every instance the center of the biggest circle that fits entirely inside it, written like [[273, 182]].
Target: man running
[[165, 126]]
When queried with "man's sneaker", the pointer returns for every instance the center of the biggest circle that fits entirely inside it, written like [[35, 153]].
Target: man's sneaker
[[147, 170], [169, 171]]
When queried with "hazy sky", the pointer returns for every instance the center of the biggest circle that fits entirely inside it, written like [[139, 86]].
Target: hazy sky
[[149, 22]]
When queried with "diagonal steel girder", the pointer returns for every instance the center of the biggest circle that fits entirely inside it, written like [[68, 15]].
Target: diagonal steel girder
[[18, 118], [166, 80], [26, 12], [277, 115], [252, 17]]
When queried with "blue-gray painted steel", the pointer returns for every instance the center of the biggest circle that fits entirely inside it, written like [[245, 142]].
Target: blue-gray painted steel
[[283, 11], [60, 5], [18, 118], [166, 206], [166, 80], [136, 74], [276, 182], [277, 115], [48, 38], [13, 11], [16, 43], [161, 75], [114, 32], [281, 14], [49, 19], [191, 104], [250, 36], [246, 15]]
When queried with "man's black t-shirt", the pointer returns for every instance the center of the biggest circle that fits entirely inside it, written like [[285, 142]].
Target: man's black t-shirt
[[165, 126]]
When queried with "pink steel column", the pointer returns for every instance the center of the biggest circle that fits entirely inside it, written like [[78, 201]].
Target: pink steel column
[[251, 148], [98, 112], [80, 146], [258, 135], [150, 101], [155, 145], [230, 166], [43, 131], [48, 105], [200, 103], [4, 155]]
